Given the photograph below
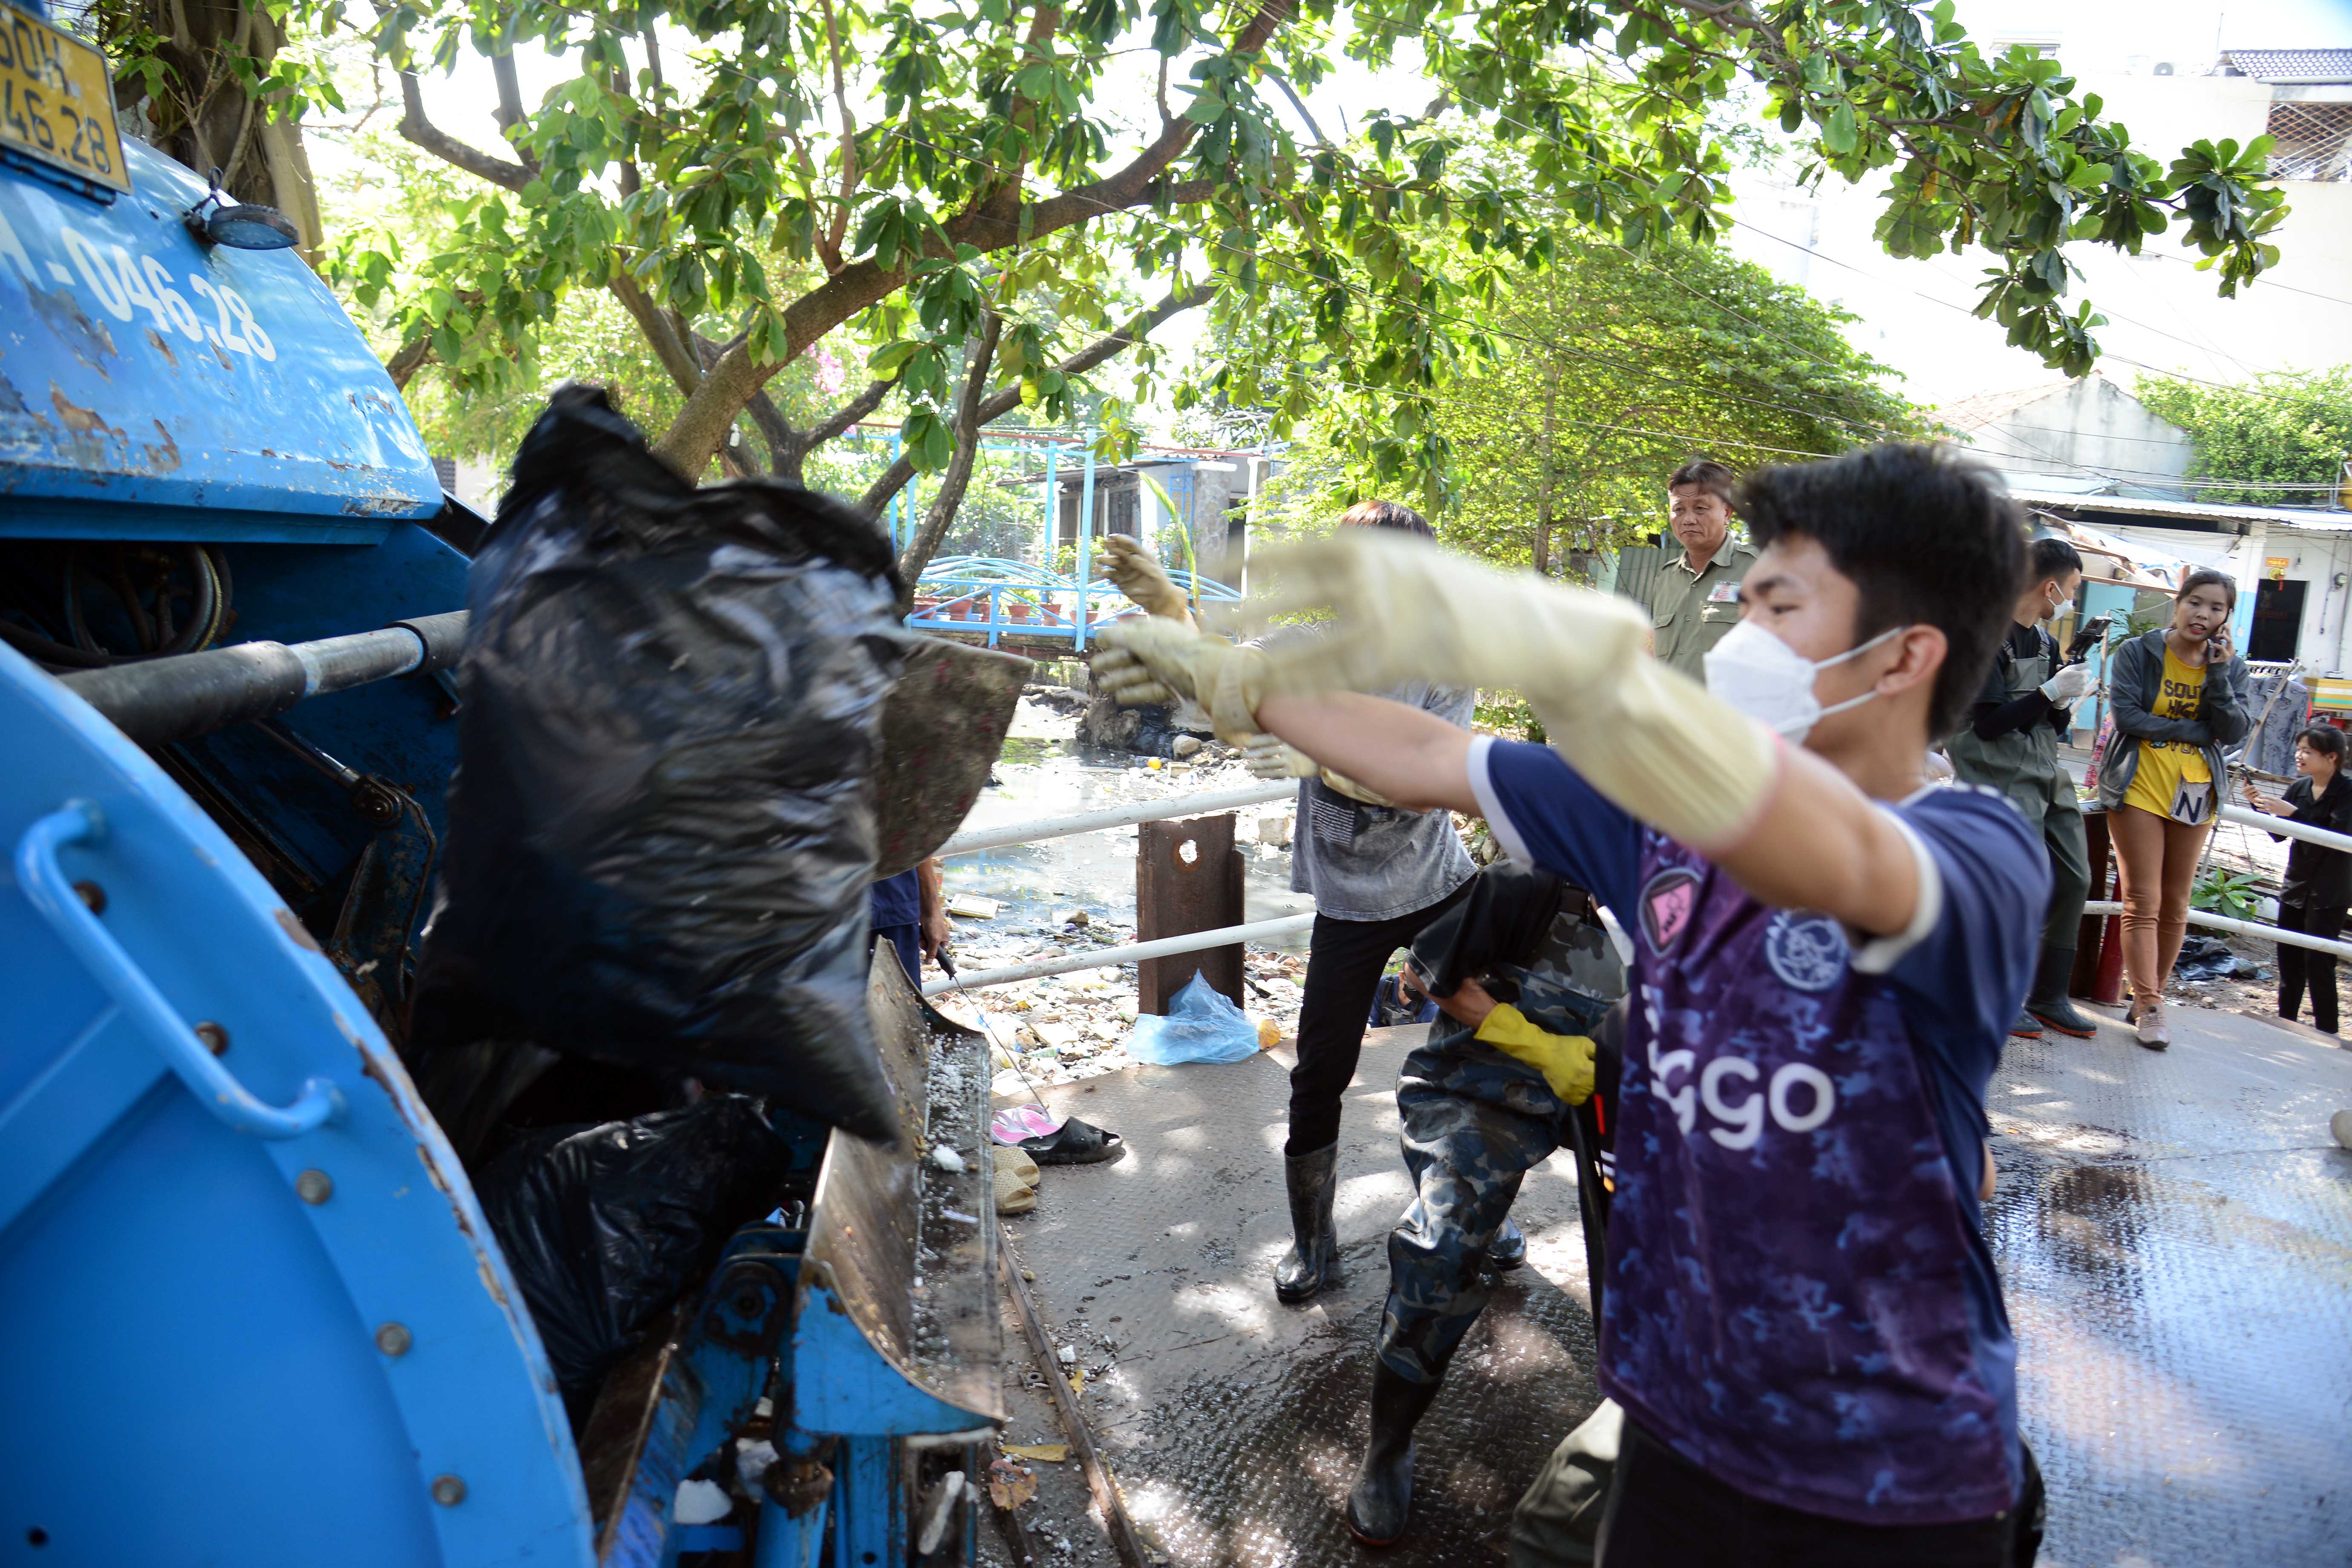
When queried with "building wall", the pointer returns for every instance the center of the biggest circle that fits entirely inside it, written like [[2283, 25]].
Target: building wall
[[2093, 427]]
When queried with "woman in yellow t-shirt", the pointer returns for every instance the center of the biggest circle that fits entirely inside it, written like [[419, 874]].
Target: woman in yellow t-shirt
[[2178, 696]]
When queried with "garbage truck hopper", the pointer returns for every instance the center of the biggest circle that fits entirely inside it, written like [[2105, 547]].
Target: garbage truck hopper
[[250, 1309]]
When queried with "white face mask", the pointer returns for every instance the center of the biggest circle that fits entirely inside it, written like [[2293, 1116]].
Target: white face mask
[[2060, 612], [1772, 683]]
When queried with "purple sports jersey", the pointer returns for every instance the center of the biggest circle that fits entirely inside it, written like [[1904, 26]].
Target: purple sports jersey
[[1800, 1299]]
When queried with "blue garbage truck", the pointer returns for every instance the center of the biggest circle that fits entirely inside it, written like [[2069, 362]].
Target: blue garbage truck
[[251, 1312]]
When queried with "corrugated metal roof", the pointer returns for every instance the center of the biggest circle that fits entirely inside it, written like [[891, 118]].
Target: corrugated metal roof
[[2189, 511], [2293, 65]]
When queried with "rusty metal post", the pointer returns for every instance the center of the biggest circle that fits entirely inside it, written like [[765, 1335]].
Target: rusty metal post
[[1187, 877], [2090, 937]]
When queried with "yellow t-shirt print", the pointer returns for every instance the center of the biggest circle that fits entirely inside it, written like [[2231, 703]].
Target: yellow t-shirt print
[[2166, 765]]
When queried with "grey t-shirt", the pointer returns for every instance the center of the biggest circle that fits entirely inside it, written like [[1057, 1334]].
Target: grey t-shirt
[[1372, 862]]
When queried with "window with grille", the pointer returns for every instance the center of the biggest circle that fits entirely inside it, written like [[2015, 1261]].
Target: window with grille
[[2312, 140]]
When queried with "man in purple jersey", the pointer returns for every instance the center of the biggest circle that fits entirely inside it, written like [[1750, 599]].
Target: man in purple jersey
[[1803, 1321]]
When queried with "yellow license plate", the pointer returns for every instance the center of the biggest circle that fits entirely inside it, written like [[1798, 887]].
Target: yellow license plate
[[57, 104]]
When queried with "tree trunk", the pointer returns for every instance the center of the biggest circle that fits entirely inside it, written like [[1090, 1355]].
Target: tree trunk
[[1543, 492], [958, 479], [203, 116]]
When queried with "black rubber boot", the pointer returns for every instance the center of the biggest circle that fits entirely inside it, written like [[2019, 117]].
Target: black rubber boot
[[2026, 1027], [2048, 1001], [1382, 1495], [1509, 1249], [1313, 1260]]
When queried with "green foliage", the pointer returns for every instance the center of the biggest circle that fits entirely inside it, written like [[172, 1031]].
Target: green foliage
[[775, 174], [2287, 429], [1617, 367], [2226, 893]]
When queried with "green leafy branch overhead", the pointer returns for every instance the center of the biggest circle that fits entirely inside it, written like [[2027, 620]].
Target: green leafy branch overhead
[[923, 177]]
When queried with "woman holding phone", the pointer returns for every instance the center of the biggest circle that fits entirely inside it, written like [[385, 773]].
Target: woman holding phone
[[2178, 695], [2318, 879]]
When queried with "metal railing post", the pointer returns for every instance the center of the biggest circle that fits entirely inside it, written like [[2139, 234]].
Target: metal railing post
[[1086, 535]]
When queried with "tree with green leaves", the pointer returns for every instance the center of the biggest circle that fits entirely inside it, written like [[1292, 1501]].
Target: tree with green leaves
[[1623, 365], [2292, 429], [749, 180]]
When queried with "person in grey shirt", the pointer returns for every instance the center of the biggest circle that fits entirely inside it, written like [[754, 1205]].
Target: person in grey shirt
[[1378, 873]]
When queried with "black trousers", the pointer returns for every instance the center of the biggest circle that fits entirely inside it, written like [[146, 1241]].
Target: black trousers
[[1343, 970], [2300, 965], [1665, 1513]]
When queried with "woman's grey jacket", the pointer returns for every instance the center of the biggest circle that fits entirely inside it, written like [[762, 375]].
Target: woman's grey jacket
[[2134, 681]]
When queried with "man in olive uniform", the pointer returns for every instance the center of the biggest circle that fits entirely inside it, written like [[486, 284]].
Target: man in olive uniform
[[1695, 597], [2011, 744]]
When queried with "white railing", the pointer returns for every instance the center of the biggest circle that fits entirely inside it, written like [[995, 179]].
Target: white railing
[[1200, 805], [2211, 921], [1133, 953], [2247, 817], [1196, 804]]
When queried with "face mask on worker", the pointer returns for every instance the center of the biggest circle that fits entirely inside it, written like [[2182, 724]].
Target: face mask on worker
[[2059, 612], [1772, 683]]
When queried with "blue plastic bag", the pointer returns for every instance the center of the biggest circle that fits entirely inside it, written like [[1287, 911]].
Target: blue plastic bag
[[1202, 1026]]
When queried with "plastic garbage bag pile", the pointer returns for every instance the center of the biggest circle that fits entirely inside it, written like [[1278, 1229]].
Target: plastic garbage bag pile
[[654, 882]]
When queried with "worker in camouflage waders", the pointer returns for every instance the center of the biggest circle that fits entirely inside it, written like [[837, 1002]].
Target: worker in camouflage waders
[[2011, 745], [1519, 966]]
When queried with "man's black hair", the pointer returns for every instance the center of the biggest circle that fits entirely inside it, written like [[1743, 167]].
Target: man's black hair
[[2325, 738], [1929, 539], [2053, 557], [1387, 514], [1710, 476]]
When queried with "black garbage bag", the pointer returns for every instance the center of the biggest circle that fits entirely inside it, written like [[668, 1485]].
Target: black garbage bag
[[2209, 958], [661, 829], [1503, 919], [605, 1226]]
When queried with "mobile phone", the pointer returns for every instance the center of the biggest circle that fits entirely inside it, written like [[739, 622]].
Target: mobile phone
[[2088, 635]]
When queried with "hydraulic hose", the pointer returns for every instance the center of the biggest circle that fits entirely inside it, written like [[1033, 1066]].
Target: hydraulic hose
[[177, 699]]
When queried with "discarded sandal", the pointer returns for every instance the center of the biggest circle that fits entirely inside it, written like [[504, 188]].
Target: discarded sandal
[[1016, 1182], [1075, 1143]]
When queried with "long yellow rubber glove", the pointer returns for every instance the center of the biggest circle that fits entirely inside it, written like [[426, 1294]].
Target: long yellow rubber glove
[[1565, 1060], [1135, 573], [1405, 610]]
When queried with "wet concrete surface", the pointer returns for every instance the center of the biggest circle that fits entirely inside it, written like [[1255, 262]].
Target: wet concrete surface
[[2174, 1231]]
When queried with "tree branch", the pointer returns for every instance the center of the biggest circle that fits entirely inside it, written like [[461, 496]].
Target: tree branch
[[417, 128], [509, 113], [902, 468], [1296, 103], [676, 355], [701, 425], [958, 479], [408, 359], [830, 248]]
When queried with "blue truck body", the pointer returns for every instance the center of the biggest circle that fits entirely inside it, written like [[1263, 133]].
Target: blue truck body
[[251, 1312]]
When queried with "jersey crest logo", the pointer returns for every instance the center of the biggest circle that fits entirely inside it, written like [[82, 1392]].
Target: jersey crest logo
[[1668, 902], [1807, 952]]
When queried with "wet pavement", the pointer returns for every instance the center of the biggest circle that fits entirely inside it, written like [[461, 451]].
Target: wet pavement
[[2174, 1231]]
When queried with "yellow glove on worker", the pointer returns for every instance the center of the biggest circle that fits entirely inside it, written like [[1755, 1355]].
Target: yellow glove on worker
[[1404, 610], [1271, 757], [1565, 1060], [1135, 573], [1158, 660]]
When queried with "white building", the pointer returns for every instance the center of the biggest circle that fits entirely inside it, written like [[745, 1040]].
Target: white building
[[2174, 73], [2085, 436]]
